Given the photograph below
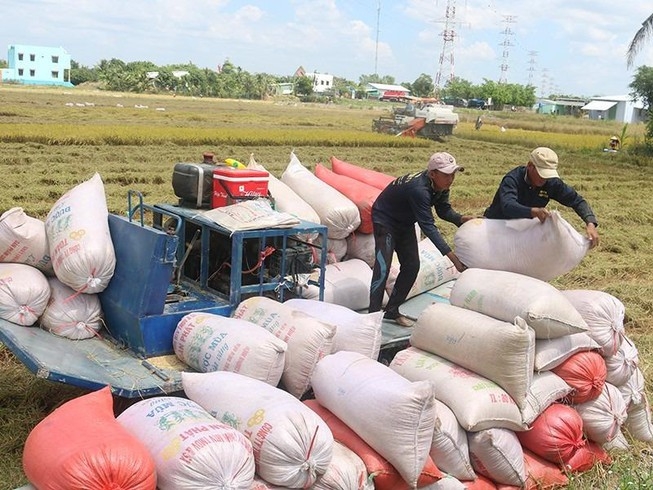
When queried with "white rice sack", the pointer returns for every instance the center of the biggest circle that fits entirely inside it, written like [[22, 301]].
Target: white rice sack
[[550, 353], [498, 454], [633, 390], [396, 417], [308, 338], [477, 402], [499, 351], [80, 243], [336, 248], [449, 482], [621, 366], [347, 471], [506, 295], [449, 448], [23, 240], [292, 444], [24, 293], [434, 269], [337, 212], [524, 246], [603, 416], [285, 199], [603, 314], [346, 284], [260, 484], [356, 332], [191, 449], [71, 314], [619, 443], [546, 388], [638, 421], [208, 342], [361, 246]]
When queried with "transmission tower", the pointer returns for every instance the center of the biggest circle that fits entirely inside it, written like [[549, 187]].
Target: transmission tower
[[545, 83], [506, 43], [531, 67], [446, 64]]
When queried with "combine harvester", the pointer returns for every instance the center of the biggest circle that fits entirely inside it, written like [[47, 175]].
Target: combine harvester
[[421, 117]]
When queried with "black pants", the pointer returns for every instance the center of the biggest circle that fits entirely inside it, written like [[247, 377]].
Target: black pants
[[404, 243]]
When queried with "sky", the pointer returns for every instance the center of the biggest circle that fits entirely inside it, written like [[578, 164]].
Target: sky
[[559, 46]]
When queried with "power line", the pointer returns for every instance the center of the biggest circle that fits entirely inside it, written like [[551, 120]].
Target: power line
[[531, 68]]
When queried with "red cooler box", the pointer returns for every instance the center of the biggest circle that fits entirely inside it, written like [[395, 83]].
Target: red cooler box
[[231, 185]]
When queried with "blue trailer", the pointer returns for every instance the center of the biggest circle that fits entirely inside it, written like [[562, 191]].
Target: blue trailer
[[165, 268]]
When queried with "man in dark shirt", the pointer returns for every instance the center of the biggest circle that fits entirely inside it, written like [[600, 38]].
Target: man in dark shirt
[[524, 192], [405, 201]]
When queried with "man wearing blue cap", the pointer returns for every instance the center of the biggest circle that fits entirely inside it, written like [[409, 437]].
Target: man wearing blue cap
[[408, 200]]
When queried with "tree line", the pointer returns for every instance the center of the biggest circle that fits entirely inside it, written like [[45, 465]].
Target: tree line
[[231, 81]]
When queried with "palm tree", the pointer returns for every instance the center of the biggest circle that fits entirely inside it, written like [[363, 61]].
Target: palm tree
[[641, 36]]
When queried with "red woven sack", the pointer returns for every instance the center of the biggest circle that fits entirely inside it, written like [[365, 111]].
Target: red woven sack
[[586, 457], [366, 175], [555, 434], [361, 194], [585, 372], [81, 445]]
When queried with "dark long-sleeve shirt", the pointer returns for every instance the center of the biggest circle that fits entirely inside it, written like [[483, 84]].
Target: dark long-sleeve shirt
[[516, 196], [408, 200]]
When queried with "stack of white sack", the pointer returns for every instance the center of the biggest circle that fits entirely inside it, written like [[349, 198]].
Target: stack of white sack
[[308, 338], [491, 356], [292, 446]]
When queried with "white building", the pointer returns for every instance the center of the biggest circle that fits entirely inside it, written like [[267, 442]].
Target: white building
[[322, 82], [622, 108]]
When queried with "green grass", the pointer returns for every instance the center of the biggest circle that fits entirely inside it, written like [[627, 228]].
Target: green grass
[[136, 149]]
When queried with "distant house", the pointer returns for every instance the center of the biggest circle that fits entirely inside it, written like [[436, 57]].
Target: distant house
[[322, 82], [386, 91], [37, 65], [284, 88], [622, 108], [562, 107]]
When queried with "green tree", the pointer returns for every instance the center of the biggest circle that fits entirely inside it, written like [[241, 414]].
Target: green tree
[[641, 36], [80, 74], [365, 79], [3, 64], [642, 88], [458, 87], [422, 86], [304, 86], [343, 87]]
